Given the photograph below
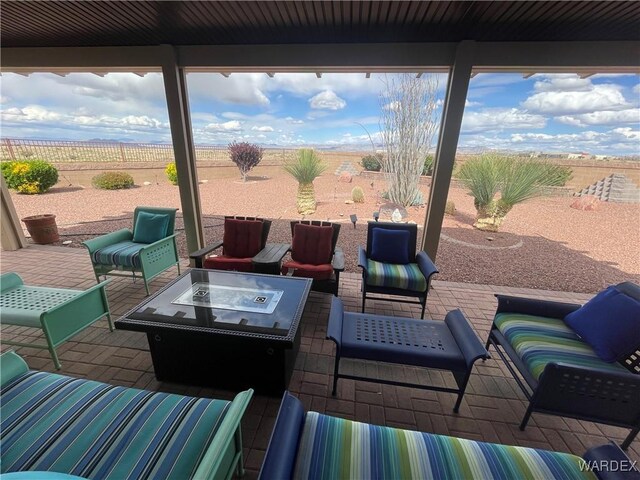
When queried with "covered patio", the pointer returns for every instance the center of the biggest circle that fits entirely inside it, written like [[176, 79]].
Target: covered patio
[[491, 410]]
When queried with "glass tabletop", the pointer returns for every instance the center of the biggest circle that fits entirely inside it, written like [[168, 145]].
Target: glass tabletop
[[215, 299]]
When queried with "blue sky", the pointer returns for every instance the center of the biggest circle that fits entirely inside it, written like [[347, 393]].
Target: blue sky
[[551, 113]]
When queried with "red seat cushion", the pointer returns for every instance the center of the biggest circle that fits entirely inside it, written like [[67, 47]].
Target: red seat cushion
[[311, 244], [223, 262], [317, 272], [242, 238]]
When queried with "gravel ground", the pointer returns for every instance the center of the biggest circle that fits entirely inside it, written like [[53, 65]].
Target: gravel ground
[[543, 243]]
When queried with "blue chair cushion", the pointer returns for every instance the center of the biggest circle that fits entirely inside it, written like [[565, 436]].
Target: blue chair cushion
[[150, 227], [403, 277], [121, 254], [390, 246], [609, 322]]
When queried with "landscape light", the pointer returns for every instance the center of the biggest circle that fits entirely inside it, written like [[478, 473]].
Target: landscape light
[[354, 219], [376, 216]]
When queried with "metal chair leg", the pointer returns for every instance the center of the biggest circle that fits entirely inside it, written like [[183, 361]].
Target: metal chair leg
[[630, 437], [335, 374], [526, 417]]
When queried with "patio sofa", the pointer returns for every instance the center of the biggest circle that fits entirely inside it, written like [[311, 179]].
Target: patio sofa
[[317, 446], [577, 361], [54, 425]]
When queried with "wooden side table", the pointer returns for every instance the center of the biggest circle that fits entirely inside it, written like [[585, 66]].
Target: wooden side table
[[60, 313], [270, 258]]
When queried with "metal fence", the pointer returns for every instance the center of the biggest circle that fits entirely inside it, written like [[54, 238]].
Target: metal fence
[[61, 151]]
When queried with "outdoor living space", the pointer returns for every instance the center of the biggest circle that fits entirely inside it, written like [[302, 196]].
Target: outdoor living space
[[491, 409]]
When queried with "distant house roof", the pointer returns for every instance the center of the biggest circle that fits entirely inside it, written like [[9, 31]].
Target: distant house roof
[[84, 23]]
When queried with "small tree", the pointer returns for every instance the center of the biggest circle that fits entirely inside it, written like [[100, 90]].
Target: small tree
[[407, 126], [516, 181], [245, 156], [305, 169]]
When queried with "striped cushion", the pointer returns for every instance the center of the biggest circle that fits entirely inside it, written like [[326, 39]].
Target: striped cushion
[[122, 254], [94, 430], [405, 277], [334, 448], [540, 340]]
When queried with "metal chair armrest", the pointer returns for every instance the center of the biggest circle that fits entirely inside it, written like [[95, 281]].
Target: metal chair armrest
[[530, 306], [102, 241]]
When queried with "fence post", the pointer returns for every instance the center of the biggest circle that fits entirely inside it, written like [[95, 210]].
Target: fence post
[[10, 148], [124, 159]]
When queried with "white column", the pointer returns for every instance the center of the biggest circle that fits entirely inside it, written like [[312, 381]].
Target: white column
[[181, 134], [452, 112]]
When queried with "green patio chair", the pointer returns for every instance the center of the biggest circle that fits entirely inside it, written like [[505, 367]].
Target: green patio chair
[[60, 313], [149, 249]]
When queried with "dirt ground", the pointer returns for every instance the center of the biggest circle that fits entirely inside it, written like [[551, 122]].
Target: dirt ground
[[542, 244]]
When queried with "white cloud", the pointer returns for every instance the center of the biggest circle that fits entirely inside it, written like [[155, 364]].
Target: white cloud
[[603, 117], [636, 89], [264, 128], [327, 100], [567, 102], [500, 119], [4, 99], [29, 114], [394, 106], [563, 83], [230, 126]]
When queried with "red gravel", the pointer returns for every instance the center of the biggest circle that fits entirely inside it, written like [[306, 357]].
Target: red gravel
[[562, 248]]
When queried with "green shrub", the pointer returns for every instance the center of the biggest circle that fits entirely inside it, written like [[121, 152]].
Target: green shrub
[[427, 168], [372, 163], [357, 195], [417, 200], [112, 180], [556, 175], [450, 208], [29, 176], [172, 173]]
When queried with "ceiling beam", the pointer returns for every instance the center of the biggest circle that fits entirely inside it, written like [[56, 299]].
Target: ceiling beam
[[516, 57], [271, 74], [528, 75]]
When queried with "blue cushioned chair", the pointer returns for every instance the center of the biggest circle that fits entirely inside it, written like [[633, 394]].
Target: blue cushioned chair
[[391, 266], [149, 249], [560, 370]]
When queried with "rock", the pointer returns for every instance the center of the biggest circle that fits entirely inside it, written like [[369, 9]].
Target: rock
[[345, 177], [146, 184], [388, 209], [490, 239], [586, 203], [67, 242], [348, 202], [204, 181], [342, 214], [396, 216]]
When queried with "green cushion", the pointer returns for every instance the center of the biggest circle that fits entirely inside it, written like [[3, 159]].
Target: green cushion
[[405, 277], [150, 227], [541, 340]]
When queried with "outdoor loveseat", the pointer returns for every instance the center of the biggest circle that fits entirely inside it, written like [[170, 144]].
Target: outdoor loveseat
[[54, 423], [316, 446], [577, 361]]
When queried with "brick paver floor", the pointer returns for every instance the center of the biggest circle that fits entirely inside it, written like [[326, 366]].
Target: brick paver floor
[[491, 410]]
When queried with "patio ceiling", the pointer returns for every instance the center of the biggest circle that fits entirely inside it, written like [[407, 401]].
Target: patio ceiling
[[140, 23]]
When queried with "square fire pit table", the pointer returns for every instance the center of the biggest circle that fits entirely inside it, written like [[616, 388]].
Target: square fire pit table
[[224, 329]]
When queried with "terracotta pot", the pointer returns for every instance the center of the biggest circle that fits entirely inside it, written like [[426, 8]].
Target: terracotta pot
[[42, 228]]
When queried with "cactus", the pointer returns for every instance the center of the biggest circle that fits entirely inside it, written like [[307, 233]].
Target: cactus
[[357, 195]]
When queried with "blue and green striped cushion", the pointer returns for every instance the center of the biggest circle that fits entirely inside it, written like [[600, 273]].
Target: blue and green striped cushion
[[540, 340], [334, 448], [122, 254], [406, 277], [94, 430]]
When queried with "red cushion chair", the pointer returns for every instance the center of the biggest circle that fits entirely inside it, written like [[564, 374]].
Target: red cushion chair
[[243, 239], [314, 254]]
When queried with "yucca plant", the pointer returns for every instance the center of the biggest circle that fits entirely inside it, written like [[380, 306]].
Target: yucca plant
[[515, 180], [305, 169]]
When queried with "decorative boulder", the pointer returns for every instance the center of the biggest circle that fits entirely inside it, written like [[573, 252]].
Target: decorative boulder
[[345, 177], [586, 203]]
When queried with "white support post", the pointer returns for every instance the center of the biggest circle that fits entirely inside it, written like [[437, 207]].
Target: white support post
[[182, 138], [452, 112]]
